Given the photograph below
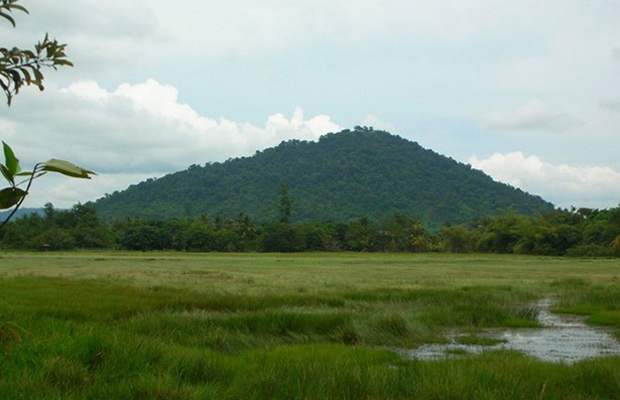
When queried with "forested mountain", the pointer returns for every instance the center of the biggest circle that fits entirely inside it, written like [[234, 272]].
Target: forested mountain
[[21, 212], [354, 173]]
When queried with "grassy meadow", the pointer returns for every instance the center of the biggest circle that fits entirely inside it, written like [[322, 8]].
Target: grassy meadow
[[113, 325]]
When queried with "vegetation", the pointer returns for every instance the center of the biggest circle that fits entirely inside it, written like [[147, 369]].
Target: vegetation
[[18, 68], [582, 232], [193, 326], [13, 196], [102, 325], [345, 175]]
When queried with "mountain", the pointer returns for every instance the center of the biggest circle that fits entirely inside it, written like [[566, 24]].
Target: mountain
[[20, 213], [354, 173]]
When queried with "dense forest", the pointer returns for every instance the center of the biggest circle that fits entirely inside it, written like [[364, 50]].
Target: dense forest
[[343, 176], [575, 232], [360, 190]]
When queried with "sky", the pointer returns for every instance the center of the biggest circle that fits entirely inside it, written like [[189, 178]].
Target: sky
[[527, 91]]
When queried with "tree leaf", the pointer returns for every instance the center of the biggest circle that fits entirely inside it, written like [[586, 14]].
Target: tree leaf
[[65, 168], [21, 8], [27, 76], [10, 196], [11, 162], [6, 174], [24, 173], [9, 18]]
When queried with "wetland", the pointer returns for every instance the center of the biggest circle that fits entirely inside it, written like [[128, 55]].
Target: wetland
[[100, 325]]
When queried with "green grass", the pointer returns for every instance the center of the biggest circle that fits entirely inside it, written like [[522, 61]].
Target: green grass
[[308, 326]]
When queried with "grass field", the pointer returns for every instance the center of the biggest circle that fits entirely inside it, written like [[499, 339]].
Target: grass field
[[309, 326]]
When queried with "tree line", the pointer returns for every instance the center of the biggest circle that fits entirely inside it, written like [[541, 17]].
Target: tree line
[[574, 232]]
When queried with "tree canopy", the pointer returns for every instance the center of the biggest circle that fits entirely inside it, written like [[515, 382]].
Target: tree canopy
[[343, 176], [582, 232]]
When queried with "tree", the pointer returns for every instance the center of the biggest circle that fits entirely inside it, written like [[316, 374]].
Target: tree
[[18, 68], [139, 234], [279, 237], [285, 204], [361, 235], [456, 239], [616, 245]]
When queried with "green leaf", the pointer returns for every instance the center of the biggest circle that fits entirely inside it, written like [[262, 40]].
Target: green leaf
[[21, 8], [6, 174], [11, 162], [24, 173], [65, 168], [9, 18], [10, 196], [27, 76]]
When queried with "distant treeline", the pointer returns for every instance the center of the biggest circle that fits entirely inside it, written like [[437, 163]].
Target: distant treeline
[[575, 232]]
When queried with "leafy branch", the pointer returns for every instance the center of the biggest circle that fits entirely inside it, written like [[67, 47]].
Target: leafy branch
[[14, 195], [23, 67], [7, 7], [20, 68]]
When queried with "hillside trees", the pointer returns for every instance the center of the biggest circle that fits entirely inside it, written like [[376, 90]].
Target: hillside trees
[[342, 177], [286, 203]]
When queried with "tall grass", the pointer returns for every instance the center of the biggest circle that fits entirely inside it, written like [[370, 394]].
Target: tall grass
[[260, 332]]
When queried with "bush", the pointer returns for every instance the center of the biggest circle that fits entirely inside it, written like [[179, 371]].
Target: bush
[[590, 250]]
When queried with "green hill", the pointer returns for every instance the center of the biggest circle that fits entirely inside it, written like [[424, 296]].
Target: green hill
[[344, 175]]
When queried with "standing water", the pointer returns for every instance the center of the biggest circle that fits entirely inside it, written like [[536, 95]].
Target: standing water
[[562, 339]]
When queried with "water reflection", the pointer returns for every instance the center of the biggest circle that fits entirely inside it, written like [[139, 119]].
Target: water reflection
[[562, 339]]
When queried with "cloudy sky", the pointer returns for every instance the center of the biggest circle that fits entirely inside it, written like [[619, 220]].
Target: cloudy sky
[[528, 90]]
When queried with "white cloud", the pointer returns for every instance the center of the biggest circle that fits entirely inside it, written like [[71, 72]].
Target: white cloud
[[136, 131], [535, 115], [437, 66], [563, 185], [610, 104], [64, 192]]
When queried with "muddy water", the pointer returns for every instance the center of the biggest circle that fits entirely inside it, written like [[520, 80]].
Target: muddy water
[[562, 339]]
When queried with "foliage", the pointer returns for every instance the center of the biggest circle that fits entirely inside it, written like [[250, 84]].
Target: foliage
[[285, 204], [562, 232], [13, 196], [23, 67], [58, 230], [18, 68], [457, 239], [279, 237], [343, 176]]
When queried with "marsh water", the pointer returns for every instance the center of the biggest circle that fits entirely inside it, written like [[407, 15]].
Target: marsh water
[[562, 338]]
